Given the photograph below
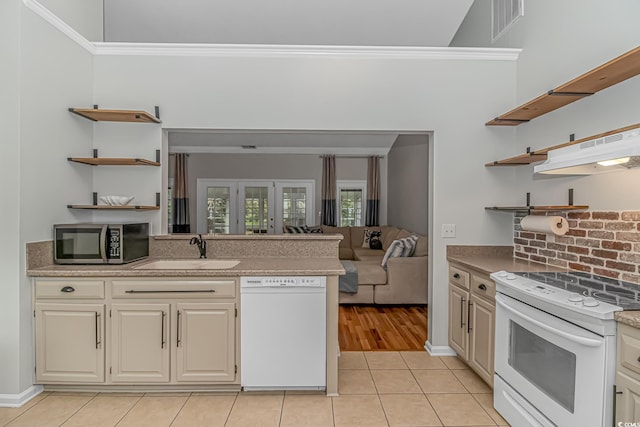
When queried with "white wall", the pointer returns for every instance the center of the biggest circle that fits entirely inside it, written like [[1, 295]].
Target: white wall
[[84, 16], [10, 272], [408, 183], [47, 73], [576, 37], [272, 166], [342, 92]]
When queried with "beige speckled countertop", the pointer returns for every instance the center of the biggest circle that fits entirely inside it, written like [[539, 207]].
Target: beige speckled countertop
[[489, 259], [631, 318], [266, 266]]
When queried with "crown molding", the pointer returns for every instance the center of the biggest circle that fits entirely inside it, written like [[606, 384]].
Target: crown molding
[[225, 50], [62, 26], [271, 51]]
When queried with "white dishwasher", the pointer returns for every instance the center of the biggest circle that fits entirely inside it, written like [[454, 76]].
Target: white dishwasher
[[283, 333]]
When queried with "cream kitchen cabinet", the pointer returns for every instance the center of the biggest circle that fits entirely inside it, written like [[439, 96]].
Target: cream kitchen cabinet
[[174, 331], [139, 347], [69, 331], [627, 374], [472, 319], [136, 331]]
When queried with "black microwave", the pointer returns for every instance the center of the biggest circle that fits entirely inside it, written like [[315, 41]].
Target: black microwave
[[100, 243]]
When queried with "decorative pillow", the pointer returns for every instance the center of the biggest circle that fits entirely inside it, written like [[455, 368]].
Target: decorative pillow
[[375, 242], [400, 248], [294, 229], [367, 237]]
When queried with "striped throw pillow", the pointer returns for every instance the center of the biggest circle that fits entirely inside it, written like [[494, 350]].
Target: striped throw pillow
[[400, 248]]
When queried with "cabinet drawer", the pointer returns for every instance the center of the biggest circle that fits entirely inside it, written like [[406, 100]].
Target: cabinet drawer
[[629, 347], [483, 286], [69, 289], [459, 277], [219, 288]]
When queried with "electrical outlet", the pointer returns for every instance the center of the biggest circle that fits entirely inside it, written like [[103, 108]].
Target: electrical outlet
[[448, 230]]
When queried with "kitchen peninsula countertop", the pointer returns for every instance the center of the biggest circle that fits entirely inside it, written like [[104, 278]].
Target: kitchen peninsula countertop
[[489, 259], [267, 266]]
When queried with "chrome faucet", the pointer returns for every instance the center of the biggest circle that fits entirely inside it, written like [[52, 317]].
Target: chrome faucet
[[202, 245]]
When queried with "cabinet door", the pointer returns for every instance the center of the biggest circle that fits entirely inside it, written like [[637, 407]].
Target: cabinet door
[[458, 317], [481, 337], [628, 401], [69, 344], [205, 342], [140, 343]]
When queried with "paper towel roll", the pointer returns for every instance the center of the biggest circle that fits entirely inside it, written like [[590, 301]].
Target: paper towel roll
[[545, 224]]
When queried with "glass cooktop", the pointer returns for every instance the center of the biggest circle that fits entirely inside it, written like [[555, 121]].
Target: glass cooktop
[[625, 295]]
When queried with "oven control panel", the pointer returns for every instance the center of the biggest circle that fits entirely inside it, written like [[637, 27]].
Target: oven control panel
[[529, 291]]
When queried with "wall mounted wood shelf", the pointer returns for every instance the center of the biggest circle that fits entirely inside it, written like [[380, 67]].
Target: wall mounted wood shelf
[[133, 116], [541, 155], [105, 161], [108, 207], [615, 71], [536, 208]]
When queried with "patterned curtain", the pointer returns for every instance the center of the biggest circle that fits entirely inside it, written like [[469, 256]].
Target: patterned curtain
[[373, 192], [329, 190], [180, 203]]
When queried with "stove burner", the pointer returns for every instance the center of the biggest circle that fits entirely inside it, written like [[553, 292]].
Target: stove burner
[[623, 294]]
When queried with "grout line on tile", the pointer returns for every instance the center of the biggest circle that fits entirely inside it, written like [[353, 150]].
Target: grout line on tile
[[78, 410], [130, 409], [180, 410], [235, 399]]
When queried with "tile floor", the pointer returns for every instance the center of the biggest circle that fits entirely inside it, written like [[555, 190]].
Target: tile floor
[[376, 389]]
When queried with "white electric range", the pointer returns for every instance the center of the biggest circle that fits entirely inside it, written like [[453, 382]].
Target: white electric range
[[555, 347]]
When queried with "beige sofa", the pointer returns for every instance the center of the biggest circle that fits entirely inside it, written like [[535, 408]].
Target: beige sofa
[[403, 282]]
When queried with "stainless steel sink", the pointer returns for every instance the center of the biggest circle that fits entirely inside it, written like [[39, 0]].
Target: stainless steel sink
[[188, 264]]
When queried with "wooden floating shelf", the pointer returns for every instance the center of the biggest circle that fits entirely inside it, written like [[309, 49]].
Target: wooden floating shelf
[[113, 161], [536, 208], [541, 155], [615, 71], [100, 115], [109, 207]]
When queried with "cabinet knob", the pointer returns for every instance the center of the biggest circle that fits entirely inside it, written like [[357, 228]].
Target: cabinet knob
[[456, 276], [638, 358], [67, 289], [482, 287]]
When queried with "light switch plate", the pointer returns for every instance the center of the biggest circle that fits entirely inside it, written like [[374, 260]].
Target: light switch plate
[[448, 231]]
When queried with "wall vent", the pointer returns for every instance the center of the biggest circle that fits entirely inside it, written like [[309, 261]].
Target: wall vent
[[503, 14]]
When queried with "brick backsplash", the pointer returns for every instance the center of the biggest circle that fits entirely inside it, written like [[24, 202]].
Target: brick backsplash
[[604, 243]]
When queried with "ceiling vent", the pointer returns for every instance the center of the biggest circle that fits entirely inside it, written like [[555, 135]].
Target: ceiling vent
[[249, 147], [503, 14]]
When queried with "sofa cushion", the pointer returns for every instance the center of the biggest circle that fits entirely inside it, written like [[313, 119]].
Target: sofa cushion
[[422, 246], [346, 241], [366, 254], [345, 253], [370, 273], [388, 236], [403, 234]]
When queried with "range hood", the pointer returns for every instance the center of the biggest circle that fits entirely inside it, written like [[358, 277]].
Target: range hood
[[611, 153]]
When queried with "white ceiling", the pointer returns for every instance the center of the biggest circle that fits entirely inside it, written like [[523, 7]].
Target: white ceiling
[[428, 23]]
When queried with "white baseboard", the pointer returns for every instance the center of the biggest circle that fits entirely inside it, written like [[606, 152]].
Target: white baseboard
[[439, 350], [17, 400]]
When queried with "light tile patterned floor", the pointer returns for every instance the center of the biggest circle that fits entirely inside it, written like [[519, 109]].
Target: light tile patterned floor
[[376, 389]]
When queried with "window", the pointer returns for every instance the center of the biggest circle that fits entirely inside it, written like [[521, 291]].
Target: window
[[504, 13], [351, 203], [170, 206], [218, 210]]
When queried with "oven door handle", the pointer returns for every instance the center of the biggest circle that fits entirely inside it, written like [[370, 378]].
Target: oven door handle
[[588, 342]]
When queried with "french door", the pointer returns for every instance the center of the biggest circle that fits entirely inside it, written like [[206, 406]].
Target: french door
[[253, 206]]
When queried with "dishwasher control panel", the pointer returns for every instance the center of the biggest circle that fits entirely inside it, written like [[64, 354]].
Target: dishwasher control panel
[[283, 281]]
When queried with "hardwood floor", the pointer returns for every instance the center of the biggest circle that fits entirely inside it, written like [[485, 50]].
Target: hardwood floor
[[371, 328]]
